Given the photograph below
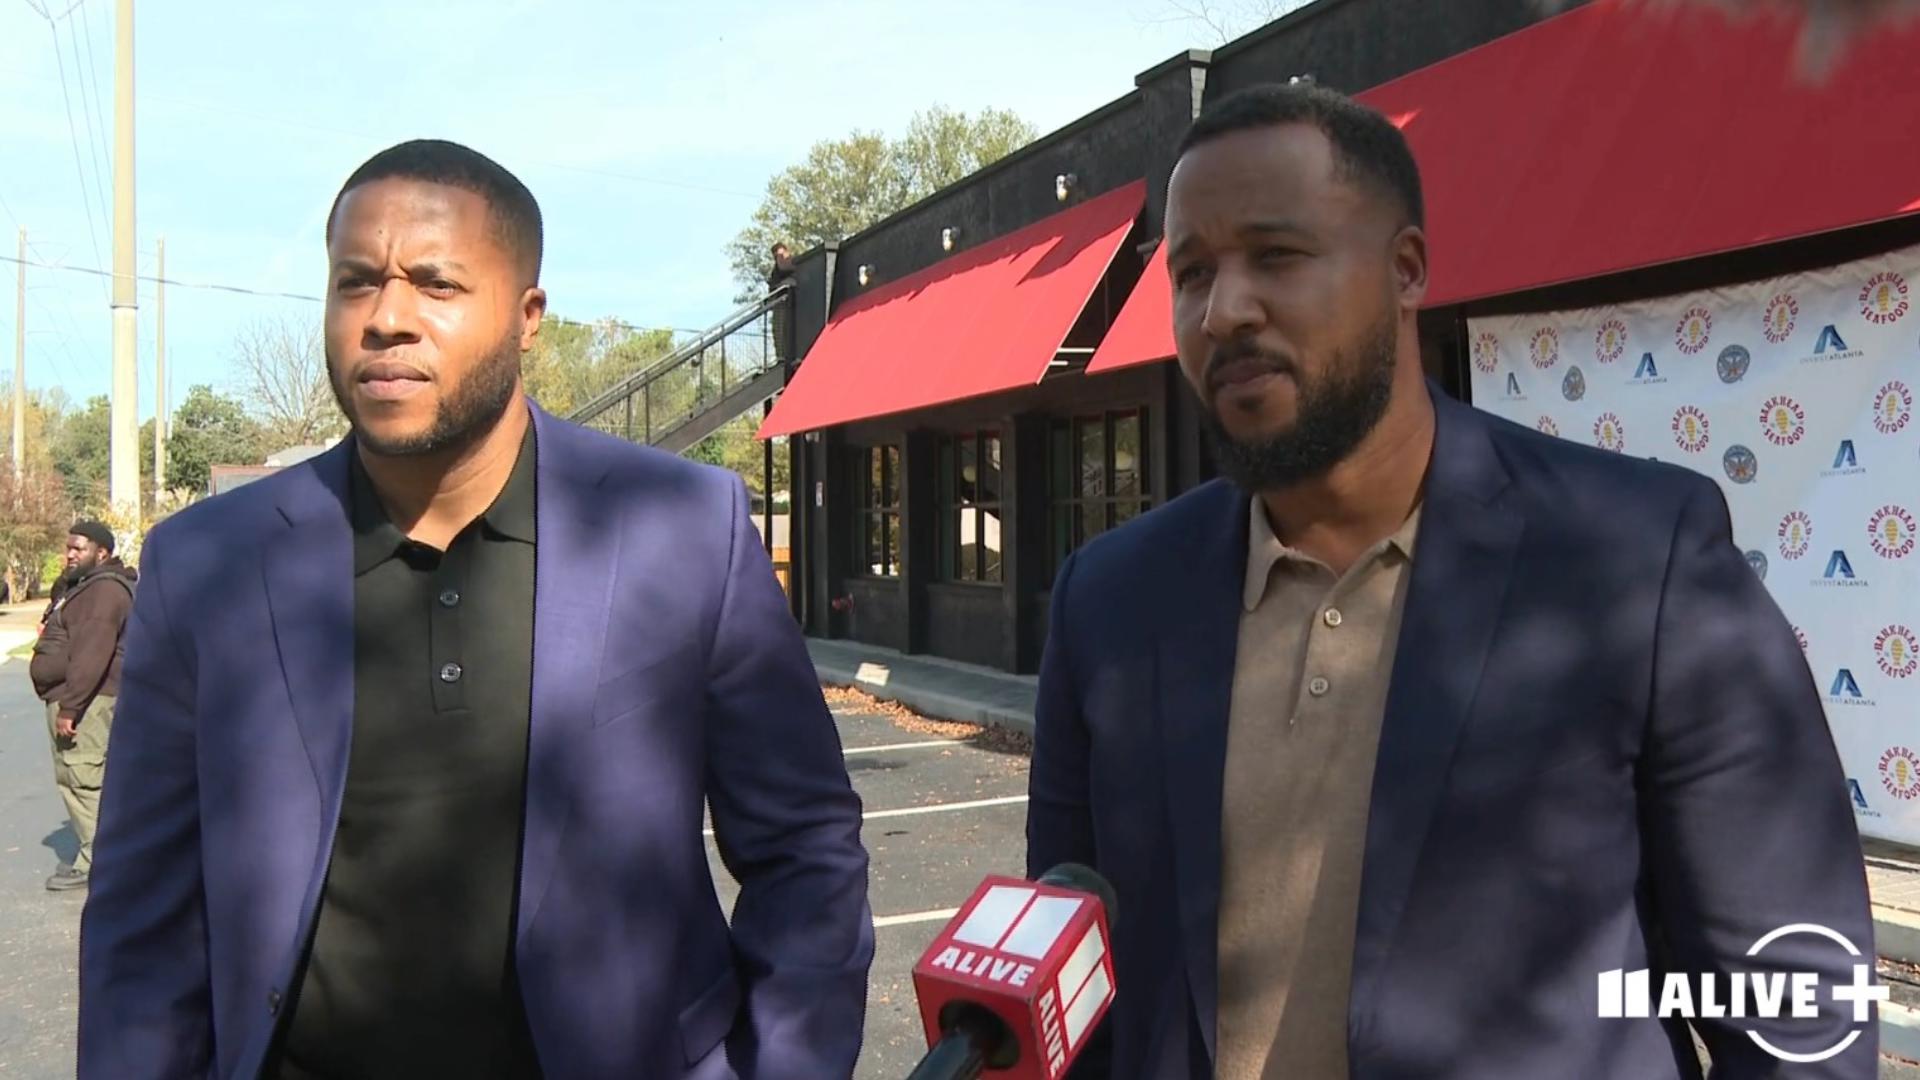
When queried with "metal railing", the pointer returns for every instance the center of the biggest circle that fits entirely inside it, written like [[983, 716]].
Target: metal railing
[[679, 398]]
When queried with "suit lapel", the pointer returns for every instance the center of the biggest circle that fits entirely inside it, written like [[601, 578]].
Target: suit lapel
[[576, 553], [309, 578], [1194, 686], [1462, 560]]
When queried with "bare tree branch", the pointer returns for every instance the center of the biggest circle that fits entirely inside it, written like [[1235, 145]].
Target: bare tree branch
[[282, 374]]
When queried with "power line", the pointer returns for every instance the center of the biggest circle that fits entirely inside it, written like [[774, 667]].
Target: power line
[[72, 135], [45, 264], [97, 117]]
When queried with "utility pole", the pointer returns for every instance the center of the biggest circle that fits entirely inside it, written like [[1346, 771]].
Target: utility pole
[[20, 362], [160, 375], [124, 471]]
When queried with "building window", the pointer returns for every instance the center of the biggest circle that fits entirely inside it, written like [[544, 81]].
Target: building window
[[1098, 478], [877, 551], [970, 493]]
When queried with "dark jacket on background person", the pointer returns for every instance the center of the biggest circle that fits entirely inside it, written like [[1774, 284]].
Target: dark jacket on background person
[[77, 657]]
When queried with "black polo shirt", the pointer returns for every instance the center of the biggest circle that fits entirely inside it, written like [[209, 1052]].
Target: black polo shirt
[[410, 972]]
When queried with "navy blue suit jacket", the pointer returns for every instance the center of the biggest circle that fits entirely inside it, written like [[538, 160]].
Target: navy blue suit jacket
[[667, 674], [1602, 749]]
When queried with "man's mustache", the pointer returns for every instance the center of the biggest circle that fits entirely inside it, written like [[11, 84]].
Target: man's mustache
[[1237, 359]]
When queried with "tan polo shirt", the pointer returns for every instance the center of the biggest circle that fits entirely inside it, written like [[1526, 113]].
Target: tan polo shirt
[[1309, 691]]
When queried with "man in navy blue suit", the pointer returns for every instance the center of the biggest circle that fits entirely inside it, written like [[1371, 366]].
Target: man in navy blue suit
[[415, 738], [1400, 737]]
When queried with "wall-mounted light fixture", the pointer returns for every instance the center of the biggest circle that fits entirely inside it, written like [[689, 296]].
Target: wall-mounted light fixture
[[1300, 80], [866, 274], [949, 238], [1065, 185]]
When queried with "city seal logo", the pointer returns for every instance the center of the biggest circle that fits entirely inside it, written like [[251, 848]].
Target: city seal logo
[[1795, 534], [1733, 363], [1900, 771], [1740, 464], [1884, 298], [1608, 433], [1758, 561], [1690, 429], [1782, 313], [1784, 420], [1574, 386], [1694, 330], [1546, 426], [1610, 341], [1544, 349], [1486, 353], [1897, 651], [1891, 530], [1892, 408]]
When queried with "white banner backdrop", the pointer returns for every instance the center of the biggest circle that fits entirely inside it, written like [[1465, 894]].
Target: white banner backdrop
[[1798, 396]]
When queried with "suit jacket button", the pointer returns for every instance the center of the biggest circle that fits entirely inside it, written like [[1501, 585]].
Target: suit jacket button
[[273, 1003]]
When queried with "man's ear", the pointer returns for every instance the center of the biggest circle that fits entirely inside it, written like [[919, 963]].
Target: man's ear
[[533, 310], [1410, 267]]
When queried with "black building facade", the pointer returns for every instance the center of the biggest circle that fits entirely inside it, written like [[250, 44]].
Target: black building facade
[[938, 530]]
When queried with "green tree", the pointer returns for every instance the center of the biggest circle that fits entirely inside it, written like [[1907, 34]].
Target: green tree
[[34, 515], [573, 363], [845, 185], [210, 429], [82, 453]]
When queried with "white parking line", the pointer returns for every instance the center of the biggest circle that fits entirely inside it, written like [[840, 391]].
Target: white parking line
[[902, 746], [916, 917], [936, 808]]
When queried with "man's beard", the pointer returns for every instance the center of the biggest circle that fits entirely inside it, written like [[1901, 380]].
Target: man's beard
[[1337, 411], [474, 405]]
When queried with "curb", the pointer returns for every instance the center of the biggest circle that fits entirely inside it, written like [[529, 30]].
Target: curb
[[930, 703], [1899, 1031], [1896, 935]]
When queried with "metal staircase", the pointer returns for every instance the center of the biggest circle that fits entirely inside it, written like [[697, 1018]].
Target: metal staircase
[[693, 391]]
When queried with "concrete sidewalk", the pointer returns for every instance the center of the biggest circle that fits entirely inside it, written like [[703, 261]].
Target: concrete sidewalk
[[935, 688]]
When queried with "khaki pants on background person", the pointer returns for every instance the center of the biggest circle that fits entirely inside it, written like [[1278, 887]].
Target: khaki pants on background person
[[79, 769]]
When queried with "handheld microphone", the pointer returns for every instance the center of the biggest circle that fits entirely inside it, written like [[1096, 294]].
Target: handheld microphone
[[1016, 981]]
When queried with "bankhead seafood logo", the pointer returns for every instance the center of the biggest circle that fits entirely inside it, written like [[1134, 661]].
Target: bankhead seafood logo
[[1690, 429], [1895, 648], [1546, 426], [1486, 353], [1796, 534], [1733, 363], [1740, 464], [1891, 531], [1884, 299], [1610, 343], [1694, 331], [1784, 419], [1544, 350], [1782, 313], [1892, 408], [1900, 771], [1608, 434]]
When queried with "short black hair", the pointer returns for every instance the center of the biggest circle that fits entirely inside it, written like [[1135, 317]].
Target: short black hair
[[516, 216], [1368, 147]]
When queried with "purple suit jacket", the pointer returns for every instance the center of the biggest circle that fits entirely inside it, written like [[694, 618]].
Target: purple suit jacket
[[667, 675]]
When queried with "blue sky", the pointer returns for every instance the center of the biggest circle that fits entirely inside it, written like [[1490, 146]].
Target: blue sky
[[647, 131]]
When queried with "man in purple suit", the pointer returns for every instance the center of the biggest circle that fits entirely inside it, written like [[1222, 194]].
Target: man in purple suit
[[415, 737]]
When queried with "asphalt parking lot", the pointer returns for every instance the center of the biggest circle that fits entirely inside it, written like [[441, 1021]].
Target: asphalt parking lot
[[945, 805]]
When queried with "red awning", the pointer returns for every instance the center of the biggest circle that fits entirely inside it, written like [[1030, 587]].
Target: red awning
[[1143, 331], [1626, 134], [983, 321]]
